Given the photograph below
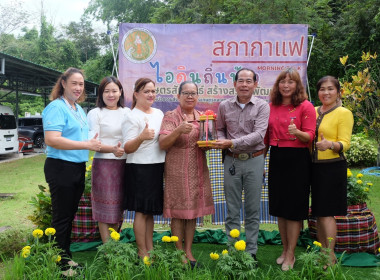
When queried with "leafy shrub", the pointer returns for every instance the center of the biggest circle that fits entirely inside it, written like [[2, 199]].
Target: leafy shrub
[[11, 241], [42, 212], [361, 92], [362, 152]]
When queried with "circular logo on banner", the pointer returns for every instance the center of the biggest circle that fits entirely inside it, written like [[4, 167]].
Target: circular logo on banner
[[139, 45]]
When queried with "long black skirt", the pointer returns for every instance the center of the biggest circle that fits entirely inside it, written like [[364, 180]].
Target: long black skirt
[[329, 189], [289, 182], [144, 191]]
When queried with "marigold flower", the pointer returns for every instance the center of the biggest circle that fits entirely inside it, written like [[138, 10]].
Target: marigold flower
[[111, 229], [359, 182], [225, 252], [174, 238], [90, 167], [147, 261], [50, 231], [240, 245], [91, 158], [318, 244], [86, 175], [38, 233], [26, 248], [378, 250], [330, 238], [115, 236], [57, 259], [214, 256], [366, 189], [166, 239], [359, 175], [234, 233], [25, 253], [369, 184]]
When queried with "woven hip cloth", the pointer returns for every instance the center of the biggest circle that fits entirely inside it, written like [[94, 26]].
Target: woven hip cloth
[[84, 229], [356, 232]]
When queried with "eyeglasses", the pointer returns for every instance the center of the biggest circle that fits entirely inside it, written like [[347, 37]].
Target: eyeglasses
[[192, 94]]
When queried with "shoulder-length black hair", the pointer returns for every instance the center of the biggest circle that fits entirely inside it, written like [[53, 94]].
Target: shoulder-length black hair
[[107, 80]]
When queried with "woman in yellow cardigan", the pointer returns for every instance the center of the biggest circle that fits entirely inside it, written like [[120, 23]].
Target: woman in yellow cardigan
[[329, 168]]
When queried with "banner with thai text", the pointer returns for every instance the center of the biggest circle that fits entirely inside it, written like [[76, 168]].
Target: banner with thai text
[[209, 55]]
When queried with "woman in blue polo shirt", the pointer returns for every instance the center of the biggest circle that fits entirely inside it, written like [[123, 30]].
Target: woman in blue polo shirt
[[66, 137]]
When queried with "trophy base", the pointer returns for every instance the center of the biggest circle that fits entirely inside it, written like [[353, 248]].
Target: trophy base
[[202, 144]]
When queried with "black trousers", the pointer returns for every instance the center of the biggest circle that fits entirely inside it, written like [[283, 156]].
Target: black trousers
[[66, 183]]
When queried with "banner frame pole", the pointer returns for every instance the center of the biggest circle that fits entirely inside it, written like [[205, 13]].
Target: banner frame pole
[[114, 68], [307, 64]]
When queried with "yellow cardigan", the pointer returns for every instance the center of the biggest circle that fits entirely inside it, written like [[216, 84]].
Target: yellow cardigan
[[336, 125]]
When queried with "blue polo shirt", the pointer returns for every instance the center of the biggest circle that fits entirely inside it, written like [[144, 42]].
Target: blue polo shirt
[[58, 116]]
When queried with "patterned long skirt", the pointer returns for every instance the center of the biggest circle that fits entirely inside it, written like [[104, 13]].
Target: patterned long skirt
[[107, 190]]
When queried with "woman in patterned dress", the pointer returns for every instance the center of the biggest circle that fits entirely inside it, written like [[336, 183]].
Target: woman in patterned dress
[[187, 193]]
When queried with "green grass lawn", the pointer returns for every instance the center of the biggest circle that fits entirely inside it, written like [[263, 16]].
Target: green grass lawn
[[23, 176]]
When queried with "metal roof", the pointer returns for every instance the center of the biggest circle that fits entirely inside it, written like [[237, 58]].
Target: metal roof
[[24, 76]]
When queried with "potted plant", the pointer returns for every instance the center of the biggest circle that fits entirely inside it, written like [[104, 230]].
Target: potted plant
[[357, 192], [357, 231]]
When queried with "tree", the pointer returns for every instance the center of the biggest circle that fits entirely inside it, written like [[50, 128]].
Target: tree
[[12, 17], [8, 42], [85, 39], [96, 69], [189, 11], [47, 46], [122, 10], [68, 55]]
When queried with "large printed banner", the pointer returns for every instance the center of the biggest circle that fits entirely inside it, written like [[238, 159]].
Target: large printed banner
[[209, 55]]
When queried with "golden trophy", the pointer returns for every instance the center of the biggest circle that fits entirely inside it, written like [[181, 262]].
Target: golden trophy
[[207, 133]]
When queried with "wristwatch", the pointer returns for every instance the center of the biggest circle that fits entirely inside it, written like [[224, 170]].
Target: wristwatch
[[332, 145]]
